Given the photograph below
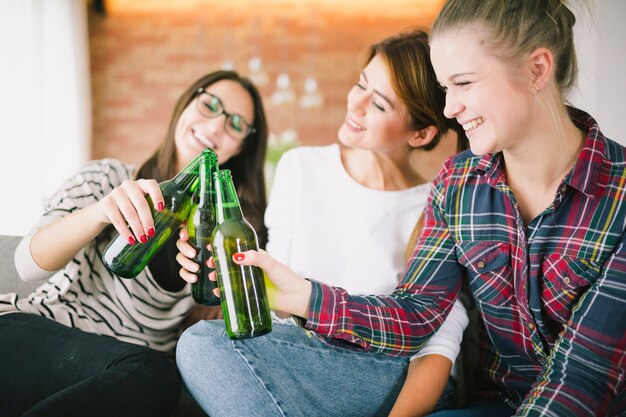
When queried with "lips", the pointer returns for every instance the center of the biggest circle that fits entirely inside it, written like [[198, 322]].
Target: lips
[[203, 140], [473, 124], [354, 126]]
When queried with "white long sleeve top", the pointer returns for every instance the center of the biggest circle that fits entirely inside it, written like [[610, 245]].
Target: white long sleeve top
[[328, 227]]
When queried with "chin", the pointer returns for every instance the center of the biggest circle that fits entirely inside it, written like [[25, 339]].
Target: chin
[[479, 149], [347, 138]]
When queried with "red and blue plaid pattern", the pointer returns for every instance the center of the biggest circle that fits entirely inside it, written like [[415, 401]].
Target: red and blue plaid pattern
[[551, 295]]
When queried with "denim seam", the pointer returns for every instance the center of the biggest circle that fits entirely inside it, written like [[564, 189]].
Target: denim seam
[[258, 378]]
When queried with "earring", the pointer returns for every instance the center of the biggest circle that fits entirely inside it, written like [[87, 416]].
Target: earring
[[537, 89]]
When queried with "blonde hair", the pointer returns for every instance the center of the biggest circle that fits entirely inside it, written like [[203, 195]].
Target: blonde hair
[[518, 27]]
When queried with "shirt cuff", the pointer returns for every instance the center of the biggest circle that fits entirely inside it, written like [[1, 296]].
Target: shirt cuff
[[319, 309], [26, 267]]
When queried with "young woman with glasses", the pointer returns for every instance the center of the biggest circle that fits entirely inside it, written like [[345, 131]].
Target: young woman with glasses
[[87, 343], [343, 214]]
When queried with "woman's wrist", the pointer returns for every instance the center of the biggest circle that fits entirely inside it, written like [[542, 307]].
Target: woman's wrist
[[296, 301]]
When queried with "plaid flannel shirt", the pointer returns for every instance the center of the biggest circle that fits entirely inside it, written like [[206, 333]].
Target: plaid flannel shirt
[[551, 295]]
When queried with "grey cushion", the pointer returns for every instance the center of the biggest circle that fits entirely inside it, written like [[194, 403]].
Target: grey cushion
[[9, 280]]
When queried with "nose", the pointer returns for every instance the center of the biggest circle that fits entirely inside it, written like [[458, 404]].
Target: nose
[[453, 106], [357, 100], [217, 124]]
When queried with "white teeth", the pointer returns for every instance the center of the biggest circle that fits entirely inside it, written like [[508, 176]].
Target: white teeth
[[204, 140], [353, 124], [473, 123]]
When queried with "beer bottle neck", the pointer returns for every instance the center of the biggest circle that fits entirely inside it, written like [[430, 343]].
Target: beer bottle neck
[[208, 166], [227, 201], [187, 179]]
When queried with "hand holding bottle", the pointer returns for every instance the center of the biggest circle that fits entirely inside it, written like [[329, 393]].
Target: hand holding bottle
[[286, 290], [186, 257], [125, 259], [55, 244], [127, 205]]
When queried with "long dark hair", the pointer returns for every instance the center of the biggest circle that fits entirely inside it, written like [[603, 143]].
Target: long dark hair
[[246, 167]]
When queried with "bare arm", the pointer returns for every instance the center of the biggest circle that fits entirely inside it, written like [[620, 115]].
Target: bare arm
[[54, 245], [425, 383]]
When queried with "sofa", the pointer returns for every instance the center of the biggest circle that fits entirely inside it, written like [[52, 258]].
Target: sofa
[[10, 282]]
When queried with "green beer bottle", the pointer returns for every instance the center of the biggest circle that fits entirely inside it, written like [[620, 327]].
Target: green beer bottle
[[201, 224], [127, 260], [242, 288]]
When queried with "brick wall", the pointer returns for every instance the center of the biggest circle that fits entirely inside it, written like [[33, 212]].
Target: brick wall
[[145, 52]]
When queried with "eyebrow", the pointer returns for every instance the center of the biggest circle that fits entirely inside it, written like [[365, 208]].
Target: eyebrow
[[460, 74], [378, 93]]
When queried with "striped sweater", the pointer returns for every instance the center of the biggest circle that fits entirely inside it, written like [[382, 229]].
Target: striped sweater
[[85, 295]]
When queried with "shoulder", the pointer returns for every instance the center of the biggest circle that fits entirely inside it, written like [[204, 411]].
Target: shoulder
[[93, 180], [309, 158], [112, 170], [311, 153]]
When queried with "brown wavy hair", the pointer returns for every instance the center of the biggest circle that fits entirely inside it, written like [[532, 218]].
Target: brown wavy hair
[[413, 79]]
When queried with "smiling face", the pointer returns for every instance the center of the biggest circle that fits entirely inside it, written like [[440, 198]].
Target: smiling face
[[376, 119], [489, 97], [194, 131]]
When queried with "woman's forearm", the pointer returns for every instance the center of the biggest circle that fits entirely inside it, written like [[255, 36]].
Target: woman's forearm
[[425, 383], [54, 245]]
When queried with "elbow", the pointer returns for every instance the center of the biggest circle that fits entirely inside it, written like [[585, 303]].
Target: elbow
[[26, 267]]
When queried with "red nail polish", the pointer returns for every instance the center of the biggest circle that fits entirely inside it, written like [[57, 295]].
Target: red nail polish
[[239, 256], [143, 238], [151, 232], [131, 240], [160, 206]]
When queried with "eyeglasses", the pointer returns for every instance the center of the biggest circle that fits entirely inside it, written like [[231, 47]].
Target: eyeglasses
[[211, 106]]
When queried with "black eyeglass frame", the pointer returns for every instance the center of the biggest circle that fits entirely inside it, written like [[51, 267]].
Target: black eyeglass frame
[[229, 116]]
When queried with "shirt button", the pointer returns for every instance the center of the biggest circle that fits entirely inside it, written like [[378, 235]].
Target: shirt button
[[566, 279], [480, 264], [524, 286], [531, 326], [564, 189]]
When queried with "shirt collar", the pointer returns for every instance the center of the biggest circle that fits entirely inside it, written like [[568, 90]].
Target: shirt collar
[[584, 175]]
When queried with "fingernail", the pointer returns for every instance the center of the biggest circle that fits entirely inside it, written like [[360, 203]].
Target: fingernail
[[151, 231], [143, 238], [131, 240], [239, 257], [160, 206]]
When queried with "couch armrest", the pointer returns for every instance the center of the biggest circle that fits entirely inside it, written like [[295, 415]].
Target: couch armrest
[[9, 279]]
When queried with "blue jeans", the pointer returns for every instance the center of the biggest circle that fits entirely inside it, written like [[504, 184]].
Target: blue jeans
[[48, 369], [287, 373], [480, 408]]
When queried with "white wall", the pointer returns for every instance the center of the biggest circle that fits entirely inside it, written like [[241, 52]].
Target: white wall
[[45, 109], [601, 44]]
